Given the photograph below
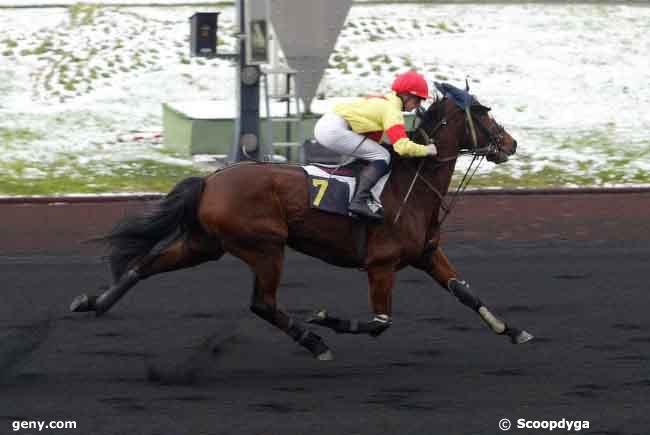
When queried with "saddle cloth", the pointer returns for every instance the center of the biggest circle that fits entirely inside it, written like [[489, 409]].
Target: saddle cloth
[[331, 188]]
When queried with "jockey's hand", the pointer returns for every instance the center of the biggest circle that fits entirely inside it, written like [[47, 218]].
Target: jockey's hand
[[431, 150]]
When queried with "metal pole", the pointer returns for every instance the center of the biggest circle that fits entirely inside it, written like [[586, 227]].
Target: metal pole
[[287, 125], [247, 126]]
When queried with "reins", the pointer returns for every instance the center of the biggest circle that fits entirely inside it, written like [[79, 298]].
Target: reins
[[428, 140], [477, 154]]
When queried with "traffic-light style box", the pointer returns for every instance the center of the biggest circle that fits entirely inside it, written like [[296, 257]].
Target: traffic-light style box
[[203, 34]]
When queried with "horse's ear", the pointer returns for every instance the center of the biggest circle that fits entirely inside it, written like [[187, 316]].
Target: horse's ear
[[466, 84], [478, 107]]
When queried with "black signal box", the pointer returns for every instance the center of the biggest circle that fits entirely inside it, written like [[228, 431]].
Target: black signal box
[[203, 34]]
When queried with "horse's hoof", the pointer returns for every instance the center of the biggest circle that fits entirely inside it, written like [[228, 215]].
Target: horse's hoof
[[522, 337], [317, 317], [81, 303], [325, 356]]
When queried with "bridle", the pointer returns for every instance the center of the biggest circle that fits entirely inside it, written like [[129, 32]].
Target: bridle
[[494, 134], [494, 137]]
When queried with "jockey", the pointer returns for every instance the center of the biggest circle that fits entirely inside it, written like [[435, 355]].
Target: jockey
[[356, 128]]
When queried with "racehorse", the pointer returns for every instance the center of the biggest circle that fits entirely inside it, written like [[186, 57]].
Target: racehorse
[[254, 210]]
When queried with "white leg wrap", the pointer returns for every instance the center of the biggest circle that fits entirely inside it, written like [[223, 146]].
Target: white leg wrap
[[383, 318], [493, 322]]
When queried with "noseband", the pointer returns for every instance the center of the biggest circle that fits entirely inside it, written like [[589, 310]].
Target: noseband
[[494, 136]]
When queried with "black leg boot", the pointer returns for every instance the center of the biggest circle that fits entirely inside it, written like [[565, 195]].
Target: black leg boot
[[367, 178]]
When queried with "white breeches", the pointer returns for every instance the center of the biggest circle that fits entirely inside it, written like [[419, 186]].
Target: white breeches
[[333, 132]]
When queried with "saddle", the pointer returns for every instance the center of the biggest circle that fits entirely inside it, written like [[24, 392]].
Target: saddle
[[331, 187]]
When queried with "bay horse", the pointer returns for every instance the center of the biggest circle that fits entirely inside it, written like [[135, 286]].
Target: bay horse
[[254, 210]]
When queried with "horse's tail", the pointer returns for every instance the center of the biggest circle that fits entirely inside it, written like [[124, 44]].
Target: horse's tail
[[175, 217]]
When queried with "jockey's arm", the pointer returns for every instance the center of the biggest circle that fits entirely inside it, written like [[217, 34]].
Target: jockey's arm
[[402, 144], [393, 122]]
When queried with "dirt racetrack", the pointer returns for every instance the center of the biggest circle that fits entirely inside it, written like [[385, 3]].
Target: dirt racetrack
[[569, 267]]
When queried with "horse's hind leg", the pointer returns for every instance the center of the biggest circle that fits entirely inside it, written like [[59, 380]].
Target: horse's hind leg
[[180, 254], [440, 269], [266, 263]]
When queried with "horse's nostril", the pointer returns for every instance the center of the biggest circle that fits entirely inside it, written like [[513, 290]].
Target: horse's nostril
[[514, 146]]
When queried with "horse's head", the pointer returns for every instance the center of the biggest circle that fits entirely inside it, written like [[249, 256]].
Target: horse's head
[[459, 124]]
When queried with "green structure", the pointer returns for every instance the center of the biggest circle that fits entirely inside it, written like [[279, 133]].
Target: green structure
[[191, 134]]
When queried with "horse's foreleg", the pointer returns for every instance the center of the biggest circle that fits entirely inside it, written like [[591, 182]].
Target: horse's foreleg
[[266, 263], [381, 282], [444, 273]]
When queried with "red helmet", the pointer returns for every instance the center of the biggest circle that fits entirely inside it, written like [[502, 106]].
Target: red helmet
[[411, 83]]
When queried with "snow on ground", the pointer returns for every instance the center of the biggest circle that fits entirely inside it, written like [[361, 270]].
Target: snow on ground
[[85, 75], [568, 81]]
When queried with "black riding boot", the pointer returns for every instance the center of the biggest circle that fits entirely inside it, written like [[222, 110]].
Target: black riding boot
[[367, 178]]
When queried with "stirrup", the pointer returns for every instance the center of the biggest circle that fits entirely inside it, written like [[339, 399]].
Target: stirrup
[[363, 210]]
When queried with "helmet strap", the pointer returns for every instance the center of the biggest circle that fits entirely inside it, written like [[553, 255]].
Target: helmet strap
[[403, 97]]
